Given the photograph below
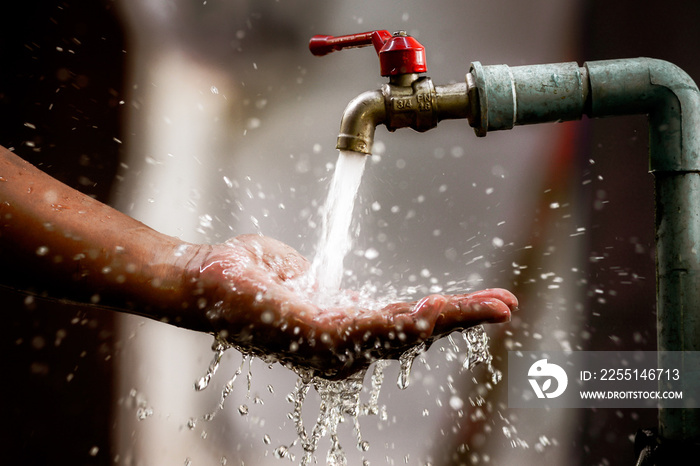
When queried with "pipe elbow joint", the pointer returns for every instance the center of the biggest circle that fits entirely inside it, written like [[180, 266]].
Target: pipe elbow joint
[[360, 119], [661, 90]]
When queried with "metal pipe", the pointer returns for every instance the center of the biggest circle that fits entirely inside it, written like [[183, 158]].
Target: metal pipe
[[661, 90], [521, 95]]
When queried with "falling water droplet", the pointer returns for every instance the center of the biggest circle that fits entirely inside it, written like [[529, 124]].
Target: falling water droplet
[[477, 347], [371, 254], [143, 413], [496, 377], [406, 362], [219, 348], [281, 452], [456, 403]]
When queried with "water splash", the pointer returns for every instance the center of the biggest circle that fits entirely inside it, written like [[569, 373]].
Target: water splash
[[219, 347], [406, 361], [477, 348], [338, 399], [478, 352], [138, 401], [372, 406]]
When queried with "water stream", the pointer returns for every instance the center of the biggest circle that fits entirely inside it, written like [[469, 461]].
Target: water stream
[[336, 241]]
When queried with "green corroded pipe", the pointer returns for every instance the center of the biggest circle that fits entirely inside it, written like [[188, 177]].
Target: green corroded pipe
[[510, 96], [521, 95]]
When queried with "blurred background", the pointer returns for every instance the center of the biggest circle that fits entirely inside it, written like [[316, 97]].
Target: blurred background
[[208, 119]]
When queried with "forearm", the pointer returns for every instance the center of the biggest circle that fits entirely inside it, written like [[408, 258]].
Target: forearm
[[56, 240]]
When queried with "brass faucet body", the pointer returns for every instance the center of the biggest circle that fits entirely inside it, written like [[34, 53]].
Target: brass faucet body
[[407, 101]]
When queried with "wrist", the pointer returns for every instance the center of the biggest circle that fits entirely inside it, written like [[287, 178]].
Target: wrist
[[180, 293]]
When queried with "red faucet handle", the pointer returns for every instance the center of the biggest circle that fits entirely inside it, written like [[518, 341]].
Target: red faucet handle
[[322, 45], [398, 53]]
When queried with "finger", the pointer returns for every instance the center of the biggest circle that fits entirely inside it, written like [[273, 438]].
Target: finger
[[487, 306], [438, 315], [505, 296]]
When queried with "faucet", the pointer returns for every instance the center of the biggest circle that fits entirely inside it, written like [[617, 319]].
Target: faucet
[[408, 100], [499, 97]]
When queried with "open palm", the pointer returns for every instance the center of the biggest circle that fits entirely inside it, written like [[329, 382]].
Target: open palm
[[252, 301]]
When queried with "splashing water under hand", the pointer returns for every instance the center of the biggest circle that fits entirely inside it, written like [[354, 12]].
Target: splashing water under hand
[[340, 399]]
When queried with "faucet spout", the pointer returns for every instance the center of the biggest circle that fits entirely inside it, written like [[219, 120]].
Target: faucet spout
[[362, 115]]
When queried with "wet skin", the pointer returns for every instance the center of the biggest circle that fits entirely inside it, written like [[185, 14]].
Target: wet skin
[[57, 241]]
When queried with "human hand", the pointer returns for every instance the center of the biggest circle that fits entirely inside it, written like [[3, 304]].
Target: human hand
[[249, 290]]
